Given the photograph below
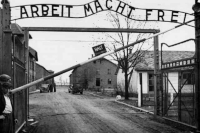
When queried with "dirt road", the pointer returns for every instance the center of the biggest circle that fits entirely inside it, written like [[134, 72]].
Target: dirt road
[[62, 112]]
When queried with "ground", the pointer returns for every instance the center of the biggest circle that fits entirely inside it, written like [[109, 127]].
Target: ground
[[63, 112]]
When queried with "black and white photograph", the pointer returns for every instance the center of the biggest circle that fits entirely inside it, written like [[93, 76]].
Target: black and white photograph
[[100, 66]]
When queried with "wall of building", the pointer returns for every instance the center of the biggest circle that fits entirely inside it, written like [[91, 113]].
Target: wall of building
[[120, 81], [133, 86], [145, 83], [134, 82], [88, 73], [173, 78], [32, 72], [42, 72]]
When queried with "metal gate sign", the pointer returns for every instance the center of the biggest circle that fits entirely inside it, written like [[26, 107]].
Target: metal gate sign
[[99, 49], [85, 10]]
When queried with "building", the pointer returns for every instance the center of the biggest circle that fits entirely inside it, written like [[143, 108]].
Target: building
[[42, 72], [98, 75], [177, 86], [33, 57], [36, 71], [143, 74], [19, 55]]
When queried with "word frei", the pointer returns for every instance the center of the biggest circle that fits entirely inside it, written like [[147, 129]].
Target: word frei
[[81, 11]]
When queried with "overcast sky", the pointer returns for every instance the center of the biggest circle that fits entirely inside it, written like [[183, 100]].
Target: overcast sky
[[58, 51]]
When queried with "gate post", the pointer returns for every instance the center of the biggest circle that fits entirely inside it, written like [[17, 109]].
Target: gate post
[[1, 41], [6, 43], [196, 9], [26, 38], [6, 66], [157, 94]]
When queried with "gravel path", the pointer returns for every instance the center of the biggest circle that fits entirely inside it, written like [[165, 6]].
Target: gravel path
[[62, 112]]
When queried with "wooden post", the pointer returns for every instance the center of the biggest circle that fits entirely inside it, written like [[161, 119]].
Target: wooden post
[[26, 37], [197, 69], [6, 43], [139, 96], [140, 91], [1, 41], [6, 66], [156, 80], [196, 10]]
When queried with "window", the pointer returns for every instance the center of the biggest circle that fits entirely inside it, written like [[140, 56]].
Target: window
[[94, 62], [151, 82], [187, 78], [98, 72], [97, 81], [109, 72], [109, 81]]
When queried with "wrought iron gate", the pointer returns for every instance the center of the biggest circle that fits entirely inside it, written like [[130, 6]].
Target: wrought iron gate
[[178, 82], [179, 98]]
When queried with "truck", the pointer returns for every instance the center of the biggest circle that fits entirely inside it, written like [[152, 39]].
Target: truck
[[44, 88], [76, 88]]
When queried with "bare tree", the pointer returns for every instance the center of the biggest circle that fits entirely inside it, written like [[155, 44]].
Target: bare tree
[[127, 58]]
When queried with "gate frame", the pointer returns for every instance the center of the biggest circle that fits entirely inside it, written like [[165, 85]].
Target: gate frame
[[157, 111], [165, 66], [6, 48], [197, 66]]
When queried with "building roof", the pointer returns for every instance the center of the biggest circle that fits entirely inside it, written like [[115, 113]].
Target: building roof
[[108, 61], [96, 60], [148, 60], [17, 30], [50, 71], [33, 53], [168, 56]]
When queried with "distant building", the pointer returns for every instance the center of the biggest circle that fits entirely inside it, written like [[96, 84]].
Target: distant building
[[33, 57], [42, 72], [98, 75]]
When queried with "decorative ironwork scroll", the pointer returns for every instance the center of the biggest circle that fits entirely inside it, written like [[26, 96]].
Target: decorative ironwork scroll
[[91, 8]]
